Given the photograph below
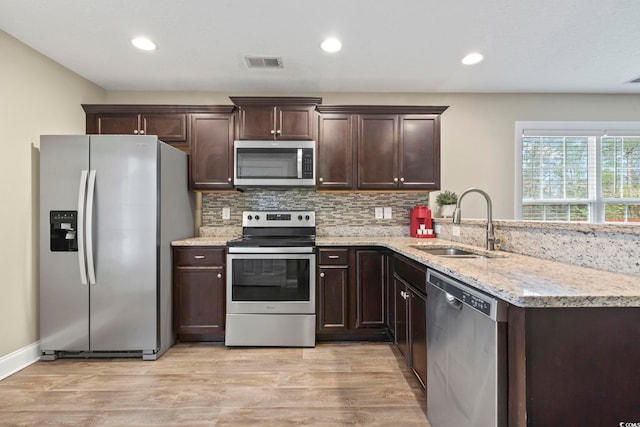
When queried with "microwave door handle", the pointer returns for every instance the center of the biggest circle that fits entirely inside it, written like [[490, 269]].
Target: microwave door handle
[[299, 163]]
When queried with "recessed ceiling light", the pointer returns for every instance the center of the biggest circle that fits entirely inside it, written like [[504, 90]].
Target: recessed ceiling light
[[472, 58], [331, 45], [143, 43]]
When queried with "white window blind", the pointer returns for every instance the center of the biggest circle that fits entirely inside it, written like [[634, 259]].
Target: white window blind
[[575, 171]]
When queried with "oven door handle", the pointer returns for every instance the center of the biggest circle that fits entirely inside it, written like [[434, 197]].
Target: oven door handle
[[271, 250]]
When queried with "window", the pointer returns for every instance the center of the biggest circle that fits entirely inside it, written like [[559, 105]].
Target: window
[[578, 171]]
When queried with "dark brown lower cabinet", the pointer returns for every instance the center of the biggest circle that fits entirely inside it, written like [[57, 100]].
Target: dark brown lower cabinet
[[574, 366], [351, 294], [410, 303], [199, 293], [418, 334]]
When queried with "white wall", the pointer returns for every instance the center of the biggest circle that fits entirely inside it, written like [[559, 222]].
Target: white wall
[[477, 130], [38, 97]]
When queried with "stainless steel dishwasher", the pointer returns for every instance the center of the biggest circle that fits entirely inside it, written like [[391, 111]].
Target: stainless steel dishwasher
[[466, 363]]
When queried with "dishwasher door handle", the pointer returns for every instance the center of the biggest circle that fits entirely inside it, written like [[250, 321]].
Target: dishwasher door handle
[[453, 301]]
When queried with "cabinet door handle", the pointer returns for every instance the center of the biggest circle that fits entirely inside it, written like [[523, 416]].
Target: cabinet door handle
[[334, 256], [320, 179], [135, 131], [219, 275], [395, 179], [141, 131], [273, 132], [278, 131], [229, 179], [401, 179], [199, 256], [321, 274]]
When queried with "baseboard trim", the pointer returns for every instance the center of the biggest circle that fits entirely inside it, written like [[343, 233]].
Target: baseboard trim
[[19, 359]]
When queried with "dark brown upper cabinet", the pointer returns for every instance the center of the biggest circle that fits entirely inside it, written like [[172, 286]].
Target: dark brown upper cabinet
[[211, 162], [169, 122], [273, 118], [379, 147], [334, 170]]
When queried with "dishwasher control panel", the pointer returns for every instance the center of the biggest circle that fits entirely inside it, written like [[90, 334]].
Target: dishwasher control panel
[[473, 298]]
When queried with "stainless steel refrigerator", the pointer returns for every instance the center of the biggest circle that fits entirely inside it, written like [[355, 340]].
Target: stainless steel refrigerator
[[109, 207]]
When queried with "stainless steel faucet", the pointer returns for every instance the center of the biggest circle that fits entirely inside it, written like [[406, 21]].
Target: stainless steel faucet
[[457, 214]]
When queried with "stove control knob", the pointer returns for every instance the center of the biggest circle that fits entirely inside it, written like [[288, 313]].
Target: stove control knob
[[257, 217], [306, 217], [299, 217], [249, 217]]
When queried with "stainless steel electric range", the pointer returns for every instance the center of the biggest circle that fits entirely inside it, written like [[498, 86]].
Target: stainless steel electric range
[[271, 284]]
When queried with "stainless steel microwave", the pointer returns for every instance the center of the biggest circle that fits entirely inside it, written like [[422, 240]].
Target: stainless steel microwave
[[274, 163]]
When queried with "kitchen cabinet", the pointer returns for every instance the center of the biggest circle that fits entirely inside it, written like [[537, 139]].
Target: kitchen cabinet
[[333, 290], [573, 366], [379, 147], [211, 163], [335, 149], [276, 118], [410, 301], [171, 123], [167, 122], [351, 294], [398, 151], [199, 293]]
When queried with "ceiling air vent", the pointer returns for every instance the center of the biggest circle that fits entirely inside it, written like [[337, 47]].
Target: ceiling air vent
[[635, 80], [263, 61]]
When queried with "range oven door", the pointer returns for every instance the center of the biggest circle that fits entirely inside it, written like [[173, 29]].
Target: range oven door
[[271, 283]]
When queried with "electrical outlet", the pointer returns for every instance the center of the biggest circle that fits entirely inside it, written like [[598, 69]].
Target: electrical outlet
[[387, 213], [378, 213], [455, 230], [226, 213], [437, 228]]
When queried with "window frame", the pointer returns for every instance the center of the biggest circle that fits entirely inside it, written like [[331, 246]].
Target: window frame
[[595, 129]]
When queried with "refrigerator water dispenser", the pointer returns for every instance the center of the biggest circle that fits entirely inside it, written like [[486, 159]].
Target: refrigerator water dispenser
[[63, 231]]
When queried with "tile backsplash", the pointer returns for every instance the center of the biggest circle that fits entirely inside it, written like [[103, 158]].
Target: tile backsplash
[[336, 213]]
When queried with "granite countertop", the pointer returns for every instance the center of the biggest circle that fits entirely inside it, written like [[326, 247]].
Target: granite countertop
[[520, 280]]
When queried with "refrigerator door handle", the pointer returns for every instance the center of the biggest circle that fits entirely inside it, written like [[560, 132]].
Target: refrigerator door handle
[[90, 201], [82, 191]]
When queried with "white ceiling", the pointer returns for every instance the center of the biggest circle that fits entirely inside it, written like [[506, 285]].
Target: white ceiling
[[388, 46]]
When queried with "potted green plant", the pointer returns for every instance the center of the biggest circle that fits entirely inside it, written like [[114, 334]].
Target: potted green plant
[[446, 200]]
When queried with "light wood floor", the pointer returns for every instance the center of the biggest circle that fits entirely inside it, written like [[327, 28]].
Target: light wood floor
[[199, 384]]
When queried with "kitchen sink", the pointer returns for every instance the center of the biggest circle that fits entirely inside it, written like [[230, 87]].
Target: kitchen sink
[[451, 252]]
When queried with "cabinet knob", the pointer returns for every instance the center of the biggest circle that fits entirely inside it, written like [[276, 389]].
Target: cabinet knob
[[219, 276], [395, 179], [278, 131], [142, 132], [135, 131], [321, 274], [229, 179], [401, 179], [320, 179], [273, 132]]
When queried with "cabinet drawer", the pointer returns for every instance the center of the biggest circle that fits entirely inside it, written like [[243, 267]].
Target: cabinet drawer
[[334, 256], [199, 256], [413, 273]]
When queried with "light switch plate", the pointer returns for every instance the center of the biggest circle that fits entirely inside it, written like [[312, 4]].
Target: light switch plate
[[226, 213], [437, 228], [378, 213], [387, 213], [455, 230]]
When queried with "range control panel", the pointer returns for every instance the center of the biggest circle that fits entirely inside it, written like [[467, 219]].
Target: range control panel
[[278, 219]]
